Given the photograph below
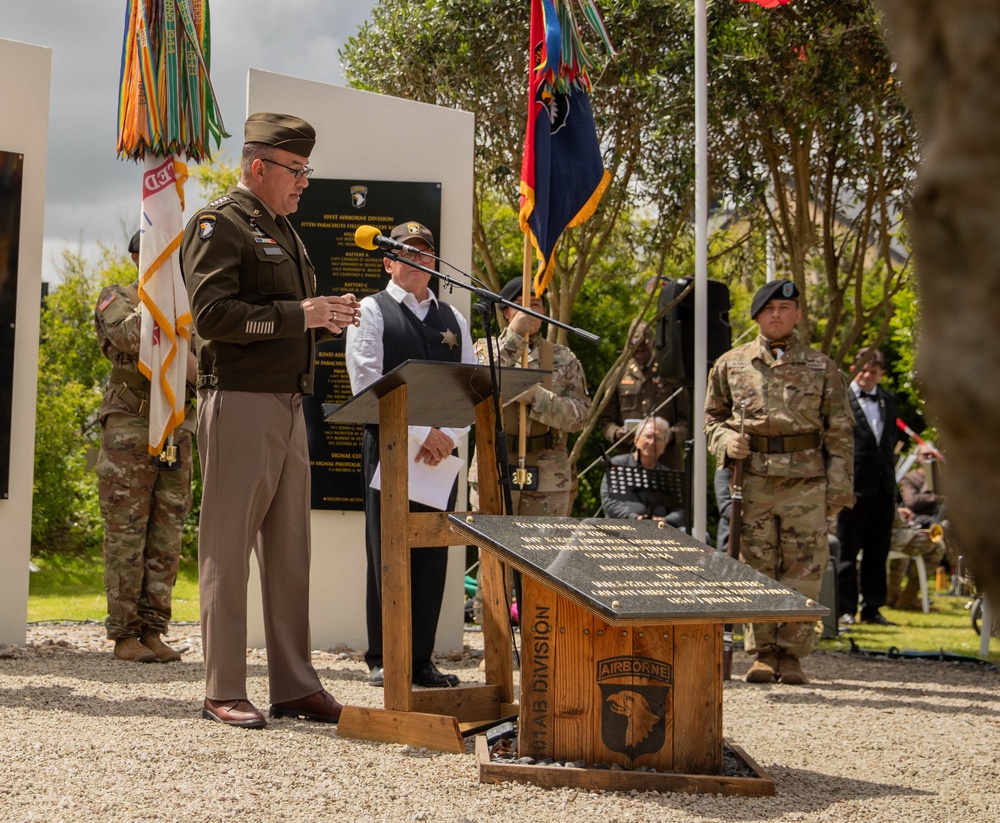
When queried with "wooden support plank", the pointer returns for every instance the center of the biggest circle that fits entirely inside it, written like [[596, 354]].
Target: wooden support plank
[[762, 785], [429, 731], [431, 529], [490, 497], [538, 677], [697, 698], [576, 697], [653, 646], [497, 649], [397, 645], [466, 703]]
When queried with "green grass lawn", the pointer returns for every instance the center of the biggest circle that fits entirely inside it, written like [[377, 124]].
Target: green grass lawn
[[73, 590], [949, 628]]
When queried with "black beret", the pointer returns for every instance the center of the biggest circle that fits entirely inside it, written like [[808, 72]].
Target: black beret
[[133, 244], [283, 131], [408, 232], [775, 290], [512, 290]]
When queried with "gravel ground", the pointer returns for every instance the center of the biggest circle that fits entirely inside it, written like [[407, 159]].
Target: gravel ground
[[86, 737]]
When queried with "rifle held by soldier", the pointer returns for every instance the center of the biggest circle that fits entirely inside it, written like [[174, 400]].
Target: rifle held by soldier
[[735, 527]]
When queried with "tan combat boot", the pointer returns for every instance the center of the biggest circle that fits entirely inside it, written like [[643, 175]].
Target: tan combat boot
[[129, 648], [764, 668], [790, 671], [163, 652]]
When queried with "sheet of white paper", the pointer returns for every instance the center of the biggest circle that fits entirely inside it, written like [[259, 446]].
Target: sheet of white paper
[[429, 485]]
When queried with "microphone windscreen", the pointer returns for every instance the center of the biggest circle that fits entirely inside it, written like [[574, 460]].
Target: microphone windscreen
[[365, 237]]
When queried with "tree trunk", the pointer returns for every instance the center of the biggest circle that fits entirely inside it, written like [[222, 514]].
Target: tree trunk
[[949, 63]]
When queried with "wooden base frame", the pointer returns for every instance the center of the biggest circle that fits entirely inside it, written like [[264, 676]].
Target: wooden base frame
[[761, 785]]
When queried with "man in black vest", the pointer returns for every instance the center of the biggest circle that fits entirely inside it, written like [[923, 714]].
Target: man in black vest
[[868, 525], [406, 322]]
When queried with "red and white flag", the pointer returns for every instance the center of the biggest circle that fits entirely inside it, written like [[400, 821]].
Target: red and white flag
[[166, 314]]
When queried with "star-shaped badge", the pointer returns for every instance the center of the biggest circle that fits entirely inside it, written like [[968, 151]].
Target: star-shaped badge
[[449, 338]]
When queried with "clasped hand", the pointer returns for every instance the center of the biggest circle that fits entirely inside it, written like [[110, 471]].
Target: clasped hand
[[332, 313], [435, 448]]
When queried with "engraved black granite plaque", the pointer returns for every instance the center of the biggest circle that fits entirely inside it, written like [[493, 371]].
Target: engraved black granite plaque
[[636, 571]]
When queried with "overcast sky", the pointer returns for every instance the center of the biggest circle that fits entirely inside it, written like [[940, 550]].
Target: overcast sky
[[91, 195]]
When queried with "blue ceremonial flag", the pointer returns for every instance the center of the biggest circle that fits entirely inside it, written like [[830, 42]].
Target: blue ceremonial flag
[[562, 171]]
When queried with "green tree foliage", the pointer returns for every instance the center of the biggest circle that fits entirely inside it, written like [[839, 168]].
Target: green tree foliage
[[811, 146], [473, 56], [72, 373], [815, 144], [215, 178]]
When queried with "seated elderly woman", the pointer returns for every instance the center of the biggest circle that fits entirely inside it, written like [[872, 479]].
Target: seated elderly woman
[[641, 495]]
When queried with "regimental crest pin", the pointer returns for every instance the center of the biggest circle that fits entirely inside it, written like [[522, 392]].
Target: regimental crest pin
[[359, 196], [634, 704]]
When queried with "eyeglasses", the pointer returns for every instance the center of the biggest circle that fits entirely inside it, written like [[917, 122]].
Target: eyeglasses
[[424, 257], [305, 171]]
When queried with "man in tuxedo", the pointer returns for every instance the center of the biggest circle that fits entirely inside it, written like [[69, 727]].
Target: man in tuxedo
[[868, 525]]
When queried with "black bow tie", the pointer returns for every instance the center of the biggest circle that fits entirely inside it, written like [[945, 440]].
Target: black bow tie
[[870, 395]]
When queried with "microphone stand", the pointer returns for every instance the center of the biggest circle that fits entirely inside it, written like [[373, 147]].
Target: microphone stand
[[485, 304]]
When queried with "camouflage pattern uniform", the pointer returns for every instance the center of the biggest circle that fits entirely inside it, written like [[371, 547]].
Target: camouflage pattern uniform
[[792, 481], [143, 506], [914, 541], [561, 406]]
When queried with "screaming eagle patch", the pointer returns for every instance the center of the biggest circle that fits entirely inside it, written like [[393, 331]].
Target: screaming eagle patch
[[206, 225]]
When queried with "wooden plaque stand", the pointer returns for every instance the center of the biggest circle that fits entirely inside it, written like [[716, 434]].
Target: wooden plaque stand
[[433, 394], [621, 653]]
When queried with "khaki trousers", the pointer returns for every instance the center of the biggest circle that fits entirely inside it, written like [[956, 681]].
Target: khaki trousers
[[255, 496]]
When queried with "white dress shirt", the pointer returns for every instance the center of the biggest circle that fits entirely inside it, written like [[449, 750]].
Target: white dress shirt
[[872, 409]]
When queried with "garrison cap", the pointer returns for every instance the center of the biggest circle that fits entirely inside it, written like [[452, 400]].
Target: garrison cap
[[775, 290], [282, 131], [133, 244], [410, 231]]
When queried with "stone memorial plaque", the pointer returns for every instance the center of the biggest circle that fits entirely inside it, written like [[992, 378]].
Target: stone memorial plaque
[[636, 571]]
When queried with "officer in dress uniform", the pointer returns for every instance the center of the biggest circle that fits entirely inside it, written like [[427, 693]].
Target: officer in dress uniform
[[798, 451], [144, 499], [257, 317]]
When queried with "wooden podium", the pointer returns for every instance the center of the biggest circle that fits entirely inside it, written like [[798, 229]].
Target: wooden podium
[[428, 393], [621, 653]]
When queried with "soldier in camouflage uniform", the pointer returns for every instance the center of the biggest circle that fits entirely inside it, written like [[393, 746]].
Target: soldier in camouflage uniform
[[798, 471], [556, 408], [143, 502], [641, 389]]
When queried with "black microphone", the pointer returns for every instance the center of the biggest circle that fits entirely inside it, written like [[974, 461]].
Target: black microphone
[[369, 237]]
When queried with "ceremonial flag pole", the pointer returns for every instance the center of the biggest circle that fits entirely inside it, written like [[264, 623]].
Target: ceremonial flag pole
[[166, 110], [562, 171]]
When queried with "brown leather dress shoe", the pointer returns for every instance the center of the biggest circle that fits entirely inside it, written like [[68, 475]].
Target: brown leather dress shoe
[[240, 713], [320, 707]]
